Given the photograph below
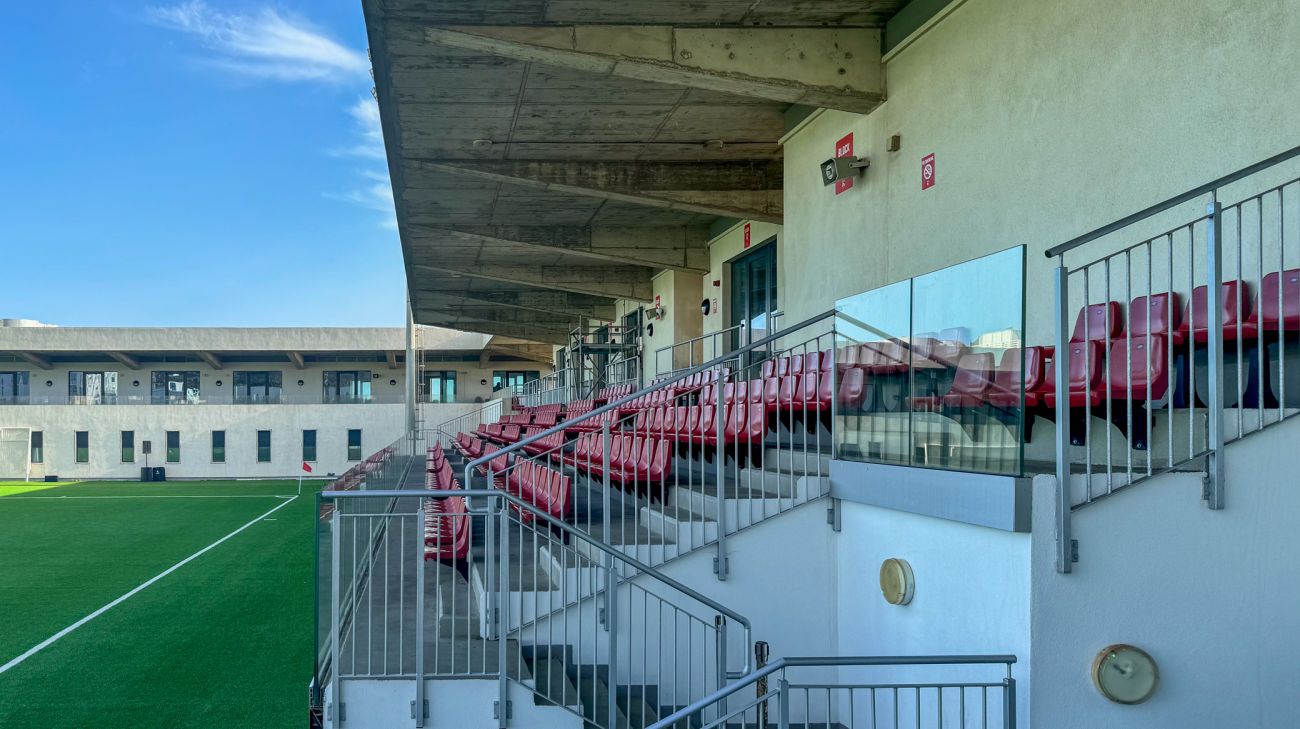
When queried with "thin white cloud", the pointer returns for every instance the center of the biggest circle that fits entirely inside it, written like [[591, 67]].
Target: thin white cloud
[[371, 145], [376, 193], [264, 44]]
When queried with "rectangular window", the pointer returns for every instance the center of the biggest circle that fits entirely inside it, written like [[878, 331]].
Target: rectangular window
[[92, 388], [218, 446], [128, 446], [440, 386], [173, 446], [81, 446], [346, 386], [512, 380], [263, 446], [309, 446], [14, 388], [174, 387], [354, 445], [255, 388], [38, 446]]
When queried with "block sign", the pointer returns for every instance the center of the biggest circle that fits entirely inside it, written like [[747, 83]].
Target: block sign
[[844, 148], [927, 172], [747, 235]]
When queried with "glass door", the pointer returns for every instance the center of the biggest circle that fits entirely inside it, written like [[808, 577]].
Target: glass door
[[753, 295]]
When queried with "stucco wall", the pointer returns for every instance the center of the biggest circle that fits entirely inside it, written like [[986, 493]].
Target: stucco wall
[[1211, 595], [1047, 119], [972, 590]]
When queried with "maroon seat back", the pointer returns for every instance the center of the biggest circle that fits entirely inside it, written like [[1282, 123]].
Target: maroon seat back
[[1103, 322]]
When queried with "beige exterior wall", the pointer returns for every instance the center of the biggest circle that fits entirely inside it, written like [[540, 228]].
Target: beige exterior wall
[[1047, 118]]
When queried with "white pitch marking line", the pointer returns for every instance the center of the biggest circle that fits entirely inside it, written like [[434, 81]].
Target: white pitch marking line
[[53, 638]]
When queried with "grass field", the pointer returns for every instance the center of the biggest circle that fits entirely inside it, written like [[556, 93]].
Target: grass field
[[225, 640]]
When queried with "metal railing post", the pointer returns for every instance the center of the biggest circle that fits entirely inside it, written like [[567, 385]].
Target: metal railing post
[[611, 625], [336, 686], [606, 519], [502, 615], [419, 614], [1009, 703], [783, 689], [720, 635], [720, 457], [1214, 470], [1061, 313]]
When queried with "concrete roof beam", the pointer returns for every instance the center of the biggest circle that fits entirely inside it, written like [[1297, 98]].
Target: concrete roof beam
[[750, 190], [680, 249], [625, 282], [831, 67]]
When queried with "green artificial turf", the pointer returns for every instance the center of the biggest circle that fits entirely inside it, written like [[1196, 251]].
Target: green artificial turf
[[226, 640]]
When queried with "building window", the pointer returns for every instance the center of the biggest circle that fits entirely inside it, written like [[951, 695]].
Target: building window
[[354, 445], [174, 387], [347, 386], [309, 446], [263, 446], [81, 446], [512, 380], [218, 446], [253, 388], [92, 388], [173, 446], [440, 386], [14, 388], [38, 446], [128, 446]]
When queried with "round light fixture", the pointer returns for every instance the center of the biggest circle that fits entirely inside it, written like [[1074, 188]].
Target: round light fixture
[[49, 383], [1125, 674], [301, 383], [897, 584], [392, 383], [218, 383], [704, 307]]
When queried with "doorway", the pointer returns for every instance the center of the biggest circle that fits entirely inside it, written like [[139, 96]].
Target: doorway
[[753, 294]]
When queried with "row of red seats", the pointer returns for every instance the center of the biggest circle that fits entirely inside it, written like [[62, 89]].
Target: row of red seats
[[634, 458], [446, 521], [1164, 313], [542, 486]]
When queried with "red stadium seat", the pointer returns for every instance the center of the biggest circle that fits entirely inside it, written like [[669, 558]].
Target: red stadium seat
[[1104, 322]]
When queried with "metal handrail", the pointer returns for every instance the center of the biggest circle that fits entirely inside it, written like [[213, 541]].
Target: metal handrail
[[693, 340], [1160, 207], [830, 661], [496, 403], [513, 500], [559, 428]]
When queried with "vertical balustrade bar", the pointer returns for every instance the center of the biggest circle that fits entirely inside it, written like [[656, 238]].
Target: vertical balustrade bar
[[720, 455], [1064, 549], [336, 686], [607, 521], [1214, 328], [419, 611], [502, 615]]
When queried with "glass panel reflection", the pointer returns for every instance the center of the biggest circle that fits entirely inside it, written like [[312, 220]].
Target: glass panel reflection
[[929, 371]]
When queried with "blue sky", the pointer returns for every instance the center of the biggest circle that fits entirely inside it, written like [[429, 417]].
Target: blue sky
[[188, 163]]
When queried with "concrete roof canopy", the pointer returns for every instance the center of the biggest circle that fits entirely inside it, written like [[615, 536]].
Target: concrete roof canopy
[[549, 156]]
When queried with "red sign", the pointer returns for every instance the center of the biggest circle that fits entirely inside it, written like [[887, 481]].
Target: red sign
[[658, 298], [306, 467], [927, 172], [844, 148], [746, 235]]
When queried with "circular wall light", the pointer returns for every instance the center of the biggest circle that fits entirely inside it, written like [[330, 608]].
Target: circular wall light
[[392, 383], [649, 330], [1125, 674], [49, 383], [897, 584], [301, 383], [483, 382], [218, 383], [704, 307], [135, 383]]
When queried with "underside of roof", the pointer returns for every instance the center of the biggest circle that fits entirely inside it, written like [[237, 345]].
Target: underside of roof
[[549, 156]]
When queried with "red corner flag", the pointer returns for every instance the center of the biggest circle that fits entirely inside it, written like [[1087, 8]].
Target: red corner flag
[[306, 467]]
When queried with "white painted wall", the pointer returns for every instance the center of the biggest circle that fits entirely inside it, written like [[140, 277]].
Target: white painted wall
[[1048, 118], [1211, 595], [972, 590]]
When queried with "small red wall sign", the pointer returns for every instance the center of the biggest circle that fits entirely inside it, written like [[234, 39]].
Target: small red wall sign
[[927, 172], [844, 148], [747, 240]]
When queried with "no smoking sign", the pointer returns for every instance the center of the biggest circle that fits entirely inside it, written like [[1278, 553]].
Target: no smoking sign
[[927, 172]]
